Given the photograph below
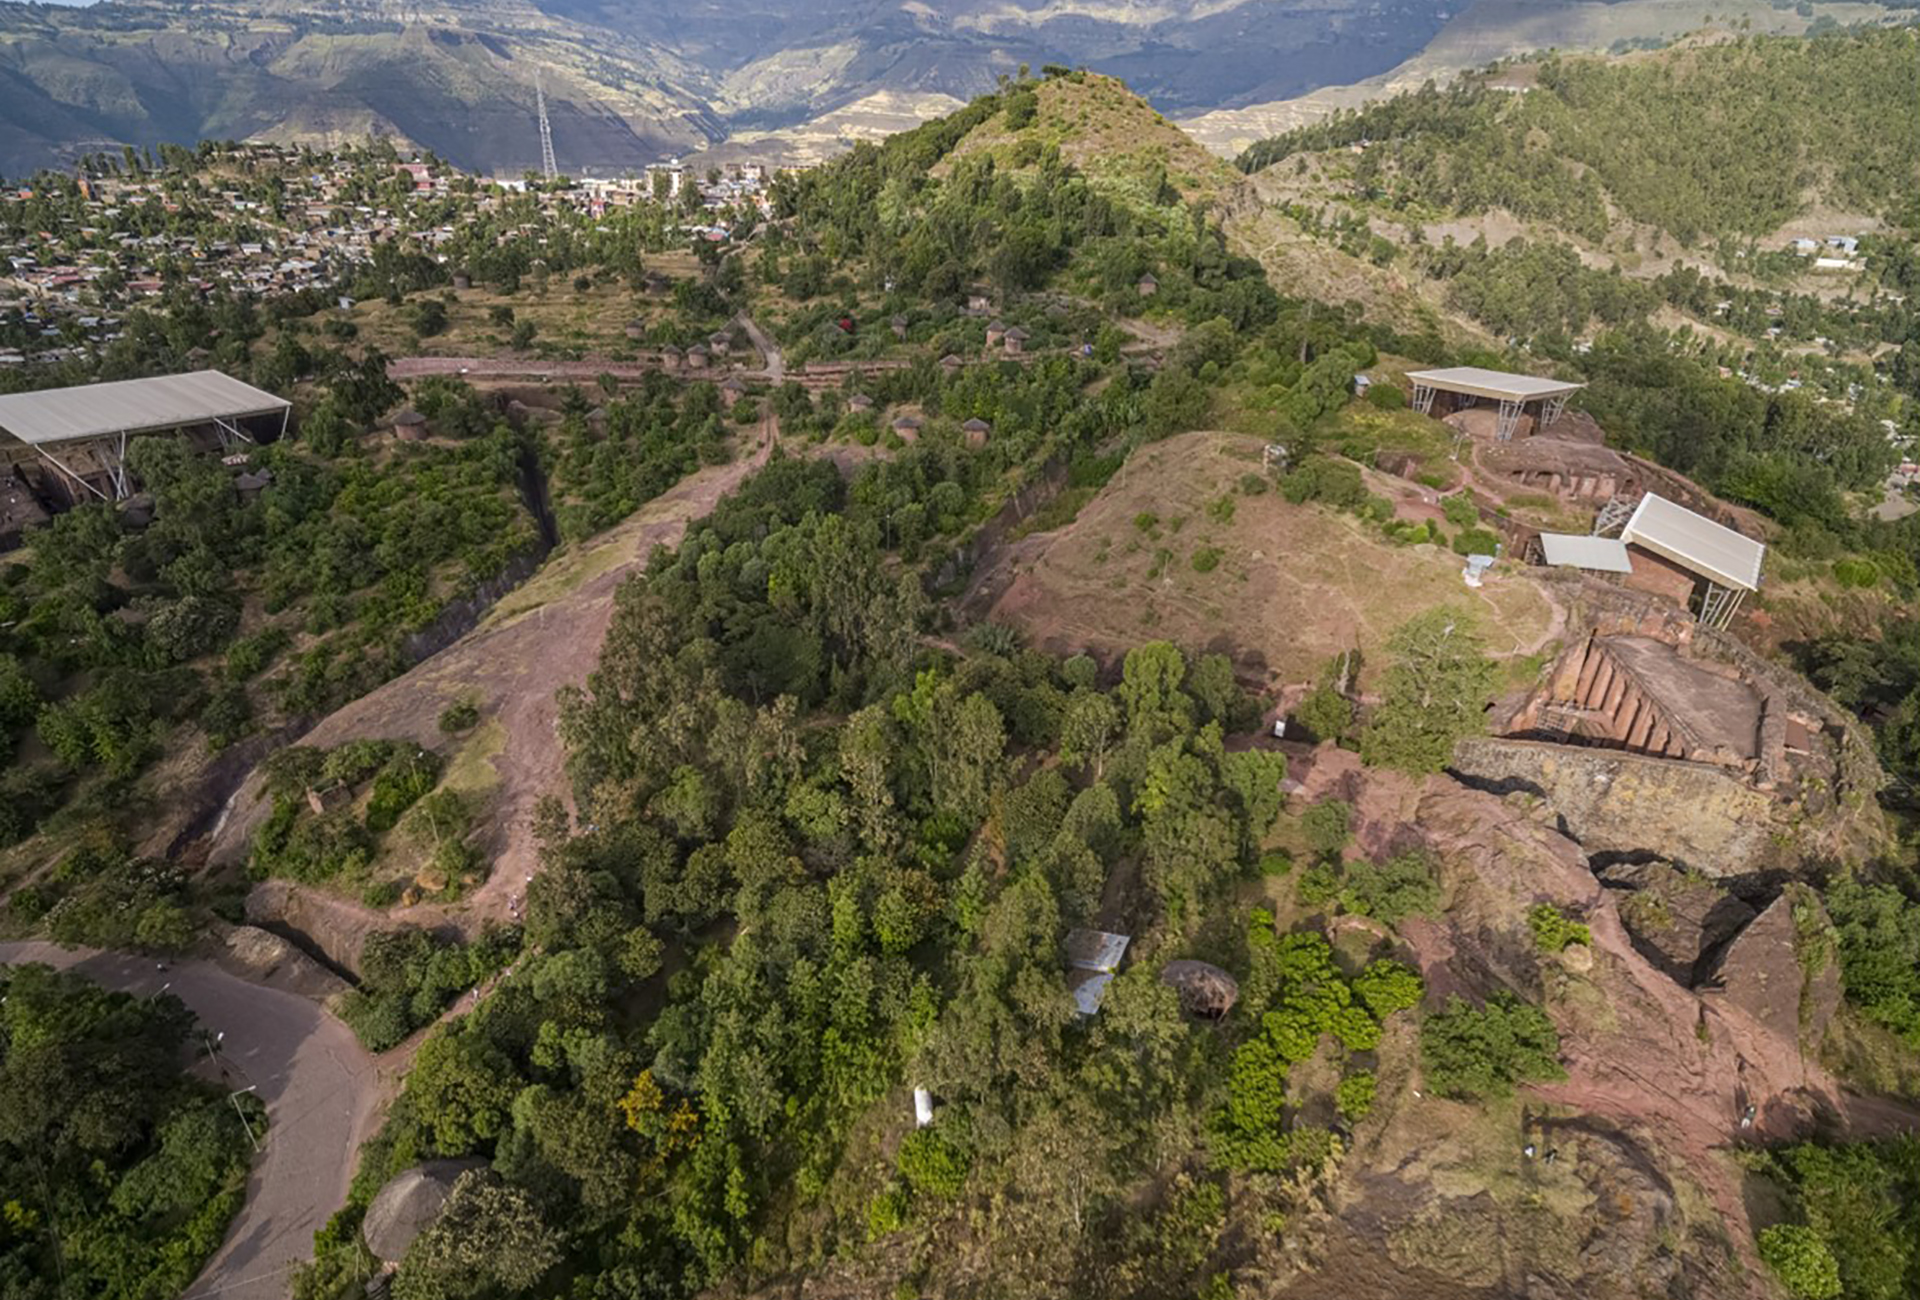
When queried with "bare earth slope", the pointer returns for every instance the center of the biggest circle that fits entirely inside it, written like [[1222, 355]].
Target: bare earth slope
[[1293, 585], [543, 636]]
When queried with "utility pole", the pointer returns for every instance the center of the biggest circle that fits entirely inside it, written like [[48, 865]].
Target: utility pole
[[547, 164]]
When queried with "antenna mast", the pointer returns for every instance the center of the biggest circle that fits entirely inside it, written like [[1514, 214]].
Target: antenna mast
[[546, 130]]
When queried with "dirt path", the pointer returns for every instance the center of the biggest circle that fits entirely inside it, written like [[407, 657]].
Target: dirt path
[[543, 636], [322, 1092], [773, 364]]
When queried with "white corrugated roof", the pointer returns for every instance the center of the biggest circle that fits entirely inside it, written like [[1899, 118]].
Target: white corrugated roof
[[1605, 554], [1493, 383], [1696, 542], [131, 405]]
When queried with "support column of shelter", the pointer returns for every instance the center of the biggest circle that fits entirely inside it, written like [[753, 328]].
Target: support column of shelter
[[1551, 412], [1509, 419], [229, 430], [117, 470], [69, 473], [1423, 398], [1718, 605]]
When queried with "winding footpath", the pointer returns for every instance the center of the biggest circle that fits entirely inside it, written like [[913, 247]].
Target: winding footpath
[[322, 1092]]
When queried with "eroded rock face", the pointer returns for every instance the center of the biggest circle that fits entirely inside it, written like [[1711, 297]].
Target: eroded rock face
[[1698, 816], [265, 957], [1783, 970], [1676, 919]]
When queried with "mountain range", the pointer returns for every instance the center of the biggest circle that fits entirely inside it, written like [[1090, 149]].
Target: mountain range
[[628, 82]]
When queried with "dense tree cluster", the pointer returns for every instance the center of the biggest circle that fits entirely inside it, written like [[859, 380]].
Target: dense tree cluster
[[114, 635], [1854, 1219], [119, 1171], [861, 856], [1722, 139]]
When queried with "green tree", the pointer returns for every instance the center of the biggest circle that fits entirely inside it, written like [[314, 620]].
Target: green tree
[[1482, 1052], [1435, 694], [490, 1240], [1802, 1261]]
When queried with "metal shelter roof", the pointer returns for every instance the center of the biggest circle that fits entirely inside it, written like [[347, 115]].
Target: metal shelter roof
[[1493, 383], [57, 415], [1695, 542], [1604, 554]]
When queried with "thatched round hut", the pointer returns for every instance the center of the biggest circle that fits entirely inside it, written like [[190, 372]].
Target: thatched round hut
[[408, 1205], [1206, 992]]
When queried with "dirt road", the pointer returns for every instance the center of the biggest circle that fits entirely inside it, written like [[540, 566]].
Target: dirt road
[[320, 1087], [773, 364]]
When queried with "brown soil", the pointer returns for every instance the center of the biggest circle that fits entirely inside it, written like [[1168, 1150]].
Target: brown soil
[[1294, 585]]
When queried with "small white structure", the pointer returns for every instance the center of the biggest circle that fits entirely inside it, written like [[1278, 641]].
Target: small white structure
[[1477, 566], [922, 1108], [1092, 958]]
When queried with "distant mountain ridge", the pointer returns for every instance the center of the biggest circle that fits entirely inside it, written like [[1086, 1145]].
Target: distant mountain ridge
[[627, 83], [632, 81]]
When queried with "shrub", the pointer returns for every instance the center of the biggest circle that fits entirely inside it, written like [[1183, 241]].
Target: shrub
[[19, 697], [404, 779], [1325, 713], [1552, 930], [1393, 890], [1482, 1052], [251, 653], [1460, 510], [1354, 1097], [355, 761], [1319, 884], [933, 1163], [1802, 1260], [1206, 559], [886, 1213], [462, 715], [1327, 825], [1476, 541], [27, 794], [1146, 521], [1388, 986], [1856, 571], [1386, 397], [1337, 483]]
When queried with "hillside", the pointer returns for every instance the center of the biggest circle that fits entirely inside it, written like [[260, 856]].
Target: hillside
[[1103, 129], [459, 83], [1176, 549], [627, 84], [775, 734], [1731, 139], [1750, 201], [1487, 31]]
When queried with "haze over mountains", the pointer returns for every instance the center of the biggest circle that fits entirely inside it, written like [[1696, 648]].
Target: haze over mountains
[[630, 81]]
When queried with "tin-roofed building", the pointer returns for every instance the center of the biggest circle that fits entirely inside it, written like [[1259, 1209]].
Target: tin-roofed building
[[1462, 386], [75, 439], [1717, 565]]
